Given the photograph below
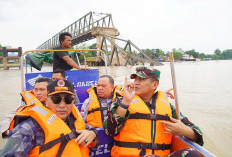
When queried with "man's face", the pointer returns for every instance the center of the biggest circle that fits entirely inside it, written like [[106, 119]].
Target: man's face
[[66, 43], [61, 108], [40, 91], [144, 86], [104, 88], [57, 76]]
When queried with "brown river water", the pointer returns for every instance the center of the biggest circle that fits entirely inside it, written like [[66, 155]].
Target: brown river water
[[204, 92]]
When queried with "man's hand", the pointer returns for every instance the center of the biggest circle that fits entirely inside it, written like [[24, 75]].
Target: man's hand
[[128, 95], [169, 94], [86, 69], [128, 92], [85, 138], [178, 128]]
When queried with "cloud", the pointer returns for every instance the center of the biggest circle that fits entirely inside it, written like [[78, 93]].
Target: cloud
[[194, 24]]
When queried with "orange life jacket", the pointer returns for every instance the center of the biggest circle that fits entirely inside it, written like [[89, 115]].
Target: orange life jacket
[[135, 139], [95, 111], [55, 129]]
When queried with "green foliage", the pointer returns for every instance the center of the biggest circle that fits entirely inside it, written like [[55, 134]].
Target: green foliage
[[1, 53], [217, 54], [149, 52], [227, 54], [154, 53], [158, 53], [202, 55], [93, 53], [192, 53], [177, 53]]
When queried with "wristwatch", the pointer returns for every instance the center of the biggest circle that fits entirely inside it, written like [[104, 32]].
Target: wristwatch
[[95, 131], [123, 106]]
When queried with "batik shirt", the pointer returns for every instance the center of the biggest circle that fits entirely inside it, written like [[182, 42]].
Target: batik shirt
[[85, 107]]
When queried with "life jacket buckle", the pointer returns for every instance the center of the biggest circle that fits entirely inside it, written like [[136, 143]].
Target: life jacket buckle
[[142, 146], [153, 117], [167, 117], [163, 146], [153, 146], [69, 136], [65, 137], [139, 145]]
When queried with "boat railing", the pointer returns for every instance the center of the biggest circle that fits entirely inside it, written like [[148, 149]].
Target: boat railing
[[32, 51]]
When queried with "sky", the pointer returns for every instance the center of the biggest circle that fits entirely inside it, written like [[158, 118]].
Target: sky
[[203, 25]]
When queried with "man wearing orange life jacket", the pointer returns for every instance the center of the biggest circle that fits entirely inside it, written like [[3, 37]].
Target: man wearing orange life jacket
[[94, 108], [49, 130], [141, 121], [40, 92]]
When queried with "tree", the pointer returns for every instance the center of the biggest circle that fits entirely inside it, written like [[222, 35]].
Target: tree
[[150, 52], [1, 54], [1, 51], [227, 54], [177, 53], [82, 46], [159, 53], [192, 53], [93, 53], [201, 56], [217, 54]]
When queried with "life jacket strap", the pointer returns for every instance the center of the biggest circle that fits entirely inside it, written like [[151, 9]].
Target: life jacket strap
[[143, 146], [64, 139], [149, 116], [98, 109]]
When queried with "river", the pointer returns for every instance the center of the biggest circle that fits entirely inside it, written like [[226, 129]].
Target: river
[[204, 93]]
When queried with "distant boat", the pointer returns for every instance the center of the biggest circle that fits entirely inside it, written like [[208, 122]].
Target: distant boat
[[160, 59], [187, 58], [207, 59]]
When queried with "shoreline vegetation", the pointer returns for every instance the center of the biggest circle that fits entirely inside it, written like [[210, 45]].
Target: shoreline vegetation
[[160, 55]]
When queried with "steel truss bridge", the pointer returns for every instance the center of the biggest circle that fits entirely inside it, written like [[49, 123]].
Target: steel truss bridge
[[100, 26]]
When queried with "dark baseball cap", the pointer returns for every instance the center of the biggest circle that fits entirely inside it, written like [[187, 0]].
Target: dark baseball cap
[[145, 72], [60, 86]]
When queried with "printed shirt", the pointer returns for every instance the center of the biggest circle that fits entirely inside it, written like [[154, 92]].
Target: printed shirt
[[22, 139], [113, 123]]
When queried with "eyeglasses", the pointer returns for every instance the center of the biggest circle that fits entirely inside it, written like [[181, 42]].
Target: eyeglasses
[[57, 99]]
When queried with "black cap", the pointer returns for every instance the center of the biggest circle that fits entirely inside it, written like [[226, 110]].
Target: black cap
[[60, 86]]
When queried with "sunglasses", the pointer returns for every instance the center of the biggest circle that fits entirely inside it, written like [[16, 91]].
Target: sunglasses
[[57, 99]]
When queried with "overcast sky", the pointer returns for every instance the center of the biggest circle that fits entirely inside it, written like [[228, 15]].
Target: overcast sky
[[203, 25]]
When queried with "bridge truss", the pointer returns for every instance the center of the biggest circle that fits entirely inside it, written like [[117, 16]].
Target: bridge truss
[[100, 26]]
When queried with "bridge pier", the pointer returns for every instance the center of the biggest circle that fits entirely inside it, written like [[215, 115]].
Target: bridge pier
[[10, 61], [98, 32]]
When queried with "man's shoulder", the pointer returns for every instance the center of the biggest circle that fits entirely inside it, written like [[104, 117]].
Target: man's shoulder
[[29, 125], [59, 48]]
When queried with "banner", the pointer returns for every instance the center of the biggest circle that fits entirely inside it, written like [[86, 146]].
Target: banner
[[81, 79]]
